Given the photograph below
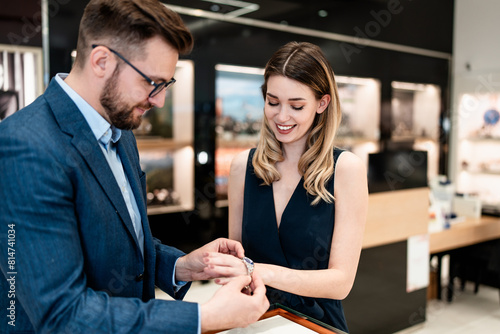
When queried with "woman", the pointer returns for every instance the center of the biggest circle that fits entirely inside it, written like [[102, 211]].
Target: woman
[[297, 203]]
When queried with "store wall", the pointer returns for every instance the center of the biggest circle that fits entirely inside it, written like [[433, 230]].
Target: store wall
[[475, 144], [475, 37]]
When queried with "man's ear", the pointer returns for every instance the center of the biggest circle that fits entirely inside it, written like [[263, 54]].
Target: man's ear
[[323, 103], [102, 62]]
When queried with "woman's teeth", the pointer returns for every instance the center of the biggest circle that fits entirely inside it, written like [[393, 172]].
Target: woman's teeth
[[284, 128]]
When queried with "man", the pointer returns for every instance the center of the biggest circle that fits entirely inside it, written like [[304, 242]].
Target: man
[[78, 254]]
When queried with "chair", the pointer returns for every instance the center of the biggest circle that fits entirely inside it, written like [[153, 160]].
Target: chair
[[477, 263]]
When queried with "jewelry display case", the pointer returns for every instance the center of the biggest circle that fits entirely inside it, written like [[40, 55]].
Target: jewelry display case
[[21, 77], [239, 110], [165, 142], [415, 119], [359, 131]]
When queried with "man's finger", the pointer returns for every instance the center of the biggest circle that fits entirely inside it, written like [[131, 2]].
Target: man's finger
[[257, 285], [239, 282]]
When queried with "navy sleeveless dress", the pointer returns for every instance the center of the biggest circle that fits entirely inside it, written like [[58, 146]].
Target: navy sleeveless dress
[[302, 241]]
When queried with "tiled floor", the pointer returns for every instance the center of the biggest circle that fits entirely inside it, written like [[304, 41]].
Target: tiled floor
[[468, 313]]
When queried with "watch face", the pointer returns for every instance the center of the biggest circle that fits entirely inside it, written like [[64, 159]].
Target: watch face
[[248, 263]]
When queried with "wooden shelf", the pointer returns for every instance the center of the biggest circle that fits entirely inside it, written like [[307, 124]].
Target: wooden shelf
[[148, 144], [237, 143], [482, 139], [354, 140], [398, 139], [162, 209], [481, 172]]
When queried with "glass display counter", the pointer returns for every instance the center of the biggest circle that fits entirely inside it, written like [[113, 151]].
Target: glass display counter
[[281, 319]]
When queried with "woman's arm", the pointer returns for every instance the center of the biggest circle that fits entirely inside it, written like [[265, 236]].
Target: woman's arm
[[236, 188]]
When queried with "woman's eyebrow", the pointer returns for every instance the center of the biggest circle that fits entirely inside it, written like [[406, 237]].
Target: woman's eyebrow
[[292, 99]]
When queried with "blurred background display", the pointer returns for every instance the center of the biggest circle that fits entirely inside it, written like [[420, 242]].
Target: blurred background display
[[239, 109]]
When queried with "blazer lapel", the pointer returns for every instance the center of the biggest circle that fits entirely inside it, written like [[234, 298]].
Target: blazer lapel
[[72, 122], [130, 166], [128, 155], [132, 172]]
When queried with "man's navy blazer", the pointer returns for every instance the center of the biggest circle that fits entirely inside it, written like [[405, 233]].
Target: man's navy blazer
[[69, 252]]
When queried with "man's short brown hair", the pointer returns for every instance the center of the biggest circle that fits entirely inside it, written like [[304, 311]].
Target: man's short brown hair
[[125, 25]]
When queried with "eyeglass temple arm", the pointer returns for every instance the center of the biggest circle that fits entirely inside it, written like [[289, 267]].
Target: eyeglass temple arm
[[128, 63]]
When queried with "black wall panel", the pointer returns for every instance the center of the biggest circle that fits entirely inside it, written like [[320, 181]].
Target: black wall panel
[[378, 302]]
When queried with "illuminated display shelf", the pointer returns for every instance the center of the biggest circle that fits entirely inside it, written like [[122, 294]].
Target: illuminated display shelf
[[476, 160], [415, 109], [165, 141]]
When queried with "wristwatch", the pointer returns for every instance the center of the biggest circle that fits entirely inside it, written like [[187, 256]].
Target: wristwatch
[[249, 264]]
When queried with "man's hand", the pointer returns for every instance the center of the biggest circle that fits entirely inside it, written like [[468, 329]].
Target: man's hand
[[191, 267], [232, 306], [223, 267]]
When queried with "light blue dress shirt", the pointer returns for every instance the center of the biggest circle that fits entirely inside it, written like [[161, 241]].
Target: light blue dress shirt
[[108, 135]]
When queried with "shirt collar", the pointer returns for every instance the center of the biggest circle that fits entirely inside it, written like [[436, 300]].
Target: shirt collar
[[102, 130], [112, 134]]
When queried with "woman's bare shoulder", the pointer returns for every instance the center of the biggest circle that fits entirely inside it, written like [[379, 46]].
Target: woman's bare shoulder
[[349, 163], [239, 163]]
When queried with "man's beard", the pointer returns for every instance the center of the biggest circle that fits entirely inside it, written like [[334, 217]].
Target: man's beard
[[119, 112]]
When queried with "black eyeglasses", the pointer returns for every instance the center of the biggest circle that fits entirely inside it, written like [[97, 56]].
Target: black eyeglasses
[[158, 87]]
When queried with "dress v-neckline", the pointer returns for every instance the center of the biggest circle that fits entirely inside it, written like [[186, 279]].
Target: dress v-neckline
[[278, 224]]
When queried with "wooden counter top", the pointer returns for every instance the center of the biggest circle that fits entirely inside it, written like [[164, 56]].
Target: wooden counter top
[[469, 232], [396, 215]]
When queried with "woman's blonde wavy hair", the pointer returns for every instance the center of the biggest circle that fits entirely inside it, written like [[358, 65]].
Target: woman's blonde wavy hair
[[305, 63]]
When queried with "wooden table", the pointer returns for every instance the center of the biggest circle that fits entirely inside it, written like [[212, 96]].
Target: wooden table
[[470, 232]]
